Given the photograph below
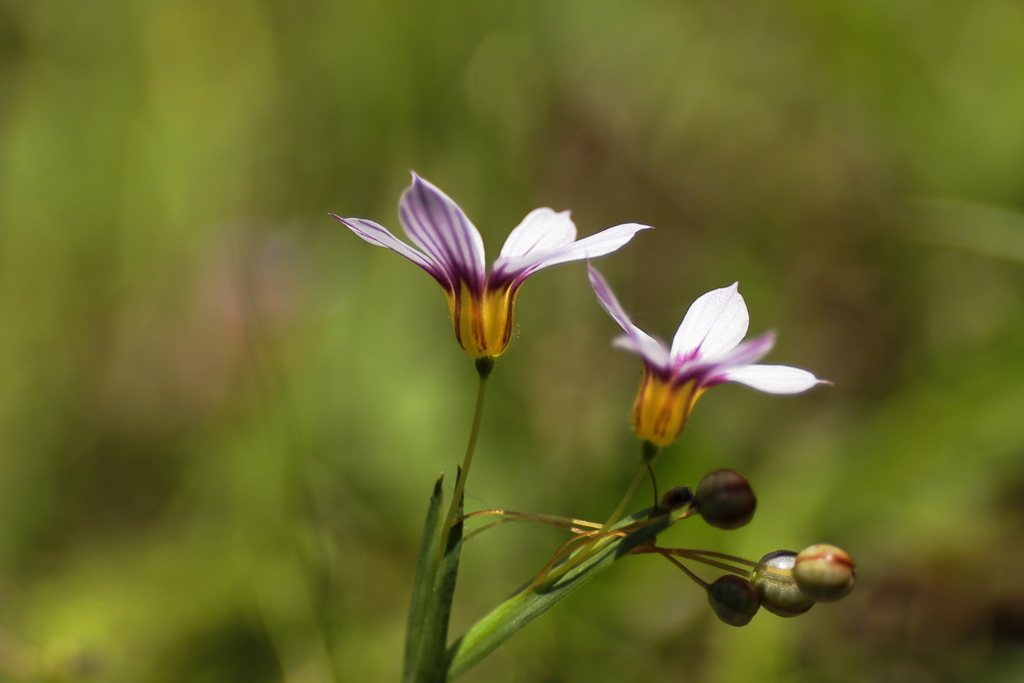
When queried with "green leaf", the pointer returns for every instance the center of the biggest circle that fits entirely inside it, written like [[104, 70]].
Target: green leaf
[[529, 603], [433, 656], [430, 609], [423, 600]]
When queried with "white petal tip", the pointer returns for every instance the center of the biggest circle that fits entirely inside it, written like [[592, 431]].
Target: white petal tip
[[774, 379], [636, 227]]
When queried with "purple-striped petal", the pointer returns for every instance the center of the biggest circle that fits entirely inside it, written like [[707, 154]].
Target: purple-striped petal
[[773, 379], [437, 226], [715, 323], [635, 339], [377, 234]]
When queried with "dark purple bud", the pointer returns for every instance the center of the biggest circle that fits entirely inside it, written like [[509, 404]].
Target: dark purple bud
[[734, 599], [676, 497], [725, 499]]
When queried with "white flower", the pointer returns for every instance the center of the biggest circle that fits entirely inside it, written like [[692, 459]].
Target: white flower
[[707, 350], [451, 250]]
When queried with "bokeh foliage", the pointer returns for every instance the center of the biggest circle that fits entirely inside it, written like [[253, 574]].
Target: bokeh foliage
[[221, 414]]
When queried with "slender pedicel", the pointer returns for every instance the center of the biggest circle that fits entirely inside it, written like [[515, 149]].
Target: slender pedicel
[[484, 367], [702, 556], [686, 570], [648, 452]]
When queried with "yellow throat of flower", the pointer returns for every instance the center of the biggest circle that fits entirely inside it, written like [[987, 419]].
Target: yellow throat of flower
[[483, 322], [662, 407]]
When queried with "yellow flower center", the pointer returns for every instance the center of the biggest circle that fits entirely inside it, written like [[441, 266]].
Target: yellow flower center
[[662, 407], [483, 323]]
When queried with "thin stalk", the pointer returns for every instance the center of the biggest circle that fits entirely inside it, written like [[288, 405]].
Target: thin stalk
[[641, 471], [702, 556], [484, 367], [648, 453], [712, 563], [566, 523], [654, 484], [699, 581], [724, 556], [558, 520]]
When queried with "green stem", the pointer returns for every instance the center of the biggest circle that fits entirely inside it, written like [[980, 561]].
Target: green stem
[[484, 366], [648, 452], [630, 492]]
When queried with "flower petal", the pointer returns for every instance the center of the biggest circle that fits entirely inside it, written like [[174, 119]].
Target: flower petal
[[377, 234], [437, 226], [748, 352], [542, 231], [635, 339], [773, 379], [592, 246], [650, 350], [537, 236], [714, 325]]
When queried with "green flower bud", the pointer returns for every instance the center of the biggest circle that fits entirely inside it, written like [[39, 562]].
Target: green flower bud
[[734, 599], [725, 499], [824, 572], [779, 591]]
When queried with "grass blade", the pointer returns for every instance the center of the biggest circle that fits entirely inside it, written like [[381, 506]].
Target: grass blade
[[423, 598], [433, 655]]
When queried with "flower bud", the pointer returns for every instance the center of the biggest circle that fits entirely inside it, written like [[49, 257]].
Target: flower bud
[[824, 572], [676, 497], [734, 599], [725, 499], [779, 591]]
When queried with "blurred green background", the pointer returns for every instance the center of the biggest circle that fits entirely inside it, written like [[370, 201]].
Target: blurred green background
[[221, 414]]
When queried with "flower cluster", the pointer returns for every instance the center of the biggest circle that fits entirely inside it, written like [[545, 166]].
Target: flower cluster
[[708, 349], [785, 583]]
